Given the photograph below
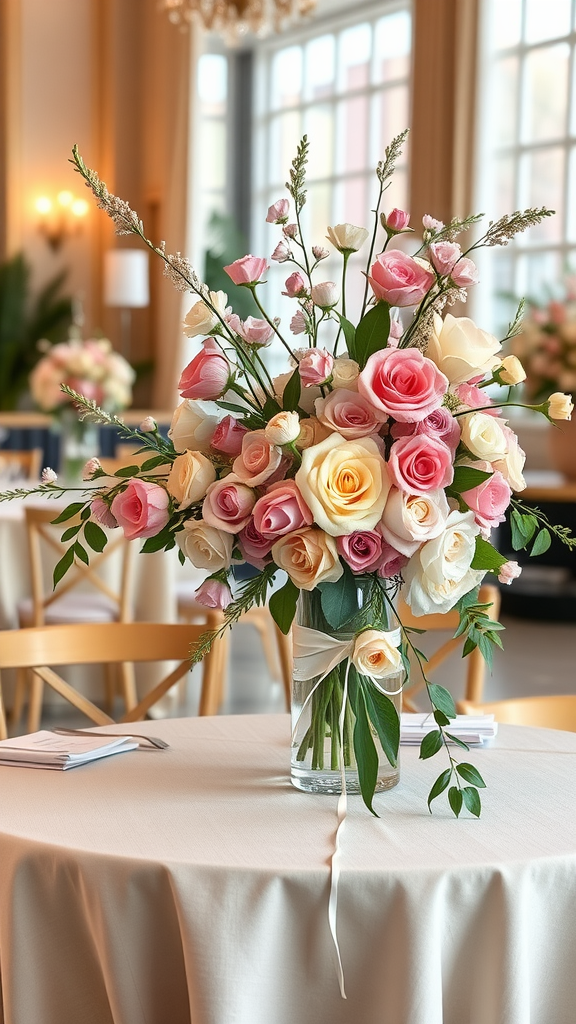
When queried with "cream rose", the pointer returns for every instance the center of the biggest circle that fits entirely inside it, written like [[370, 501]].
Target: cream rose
[[205, 546], [560, 407], [200, 319], [311, 432], [283, 428], [484, 436], [512, 465], [460, 349], [347, 237], [193, 425], [309, 556], [345, 373], [511, 371], [439, 574], [190, 477], [374, 655], [344, 483], [411, 519]]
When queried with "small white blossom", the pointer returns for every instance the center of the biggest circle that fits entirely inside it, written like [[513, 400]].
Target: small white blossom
[[148, 425], [49, 476]]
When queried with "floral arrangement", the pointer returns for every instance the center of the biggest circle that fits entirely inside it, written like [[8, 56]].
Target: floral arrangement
[[378, 463], [547, 345], [90, 367]]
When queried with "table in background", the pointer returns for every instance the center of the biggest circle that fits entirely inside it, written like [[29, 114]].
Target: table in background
[[191, 885]]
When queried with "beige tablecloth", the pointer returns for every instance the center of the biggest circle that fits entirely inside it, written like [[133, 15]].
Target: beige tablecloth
[[190, 886]]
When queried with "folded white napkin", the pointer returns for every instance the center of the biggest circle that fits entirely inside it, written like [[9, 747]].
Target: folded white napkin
[[472, 729], [45, 749]]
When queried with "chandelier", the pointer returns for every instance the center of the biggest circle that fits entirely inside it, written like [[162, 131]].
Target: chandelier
[[235, 17]]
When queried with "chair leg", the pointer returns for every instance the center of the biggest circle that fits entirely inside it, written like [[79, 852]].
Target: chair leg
[[3, 729], [35, 703], [285, 654], [19, 695], [212, 672], [109, 687], [128, 685], [261, 619]]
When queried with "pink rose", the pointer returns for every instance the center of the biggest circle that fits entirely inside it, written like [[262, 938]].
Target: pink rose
[[278, 212], [403, 383], [444, 256], [141, 509], [489, 500], [228, 505], [252, 330], [349, 413], [247, 270], [214, 594], [465, 273], [207, 375], [420, 463], [258, 459], [281, 510], [392, 561], [294, 285], [228, 436], [508, 572], [102, 514], [396, 331], [443, 425], [361, 550], [475, 398], [253, 545], [315, 367], [431, 224], [398, 220], [399, 279]]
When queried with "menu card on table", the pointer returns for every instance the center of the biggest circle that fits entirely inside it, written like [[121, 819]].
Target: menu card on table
[[45, 749], [474, 730]]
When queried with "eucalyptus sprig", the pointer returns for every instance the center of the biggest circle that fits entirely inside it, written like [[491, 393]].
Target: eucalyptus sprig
[[529, 525], [475, 624]]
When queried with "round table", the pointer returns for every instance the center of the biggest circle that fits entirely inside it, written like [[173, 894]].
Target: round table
[[190, 886]]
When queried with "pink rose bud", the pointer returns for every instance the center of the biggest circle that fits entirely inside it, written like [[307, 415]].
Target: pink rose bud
[[298, 323], [315, 367], [403, 383], [431, 224], [281, 253], [248, 270], [255, 331], [207, 375], [325, 295], [508, 572], [444, 256], [465, 273], [319, 252], [294, 285], [361, 550], [399, 279], [281, 510], [396, 331], [148, 425], [397, 220], [101, 513], [228, 505], [291, 230], [214, 594], [489, 500], [278, 212], [228, 436], [48, 476], [91, 467], [141, 509]]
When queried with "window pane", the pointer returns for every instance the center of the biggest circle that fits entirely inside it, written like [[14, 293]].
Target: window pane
[[318, 213], [504, 191], [286, 74], [285, 134], [213, 83], [539, 271], [392, 45], [354, 57], [390, 116], [506, 96], [353, 134], [545, 93], [213, 148], [319, 121], [542, 178], [320, 61], [546, 20], [506, 23]]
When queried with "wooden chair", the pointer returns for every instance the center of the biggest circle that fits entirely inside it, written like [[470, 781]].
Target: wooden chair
[[65, 604], [546, 712], [475, 664], [37, 649], [24, 464]]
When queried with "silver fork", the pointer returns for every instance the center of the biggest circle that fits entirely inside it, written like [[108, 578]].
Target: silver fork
[[154, 741]]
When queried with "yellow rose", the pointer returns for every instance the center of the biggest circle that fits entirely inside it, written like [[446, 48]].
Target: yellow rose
[[311, 432], [309, 557], [560, 406], [375, 655], [189, 479], [344, 483]]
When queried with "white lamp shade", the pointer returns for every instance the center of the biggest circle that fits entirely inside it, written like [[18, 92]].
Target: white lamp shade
[[126, 278]]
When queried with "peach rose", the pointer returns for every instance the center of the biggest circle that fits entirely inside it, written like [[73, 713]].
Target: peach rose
[[411, 519], [403, 383], [189, 479], [309, 556], [141, 509], [228, 505], [349, 413], [258, 459], [375, 655]]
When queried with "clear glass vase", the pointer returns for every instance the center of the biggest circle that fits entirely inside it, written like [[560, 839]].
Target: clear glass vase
[[316, 709], [79, 441]]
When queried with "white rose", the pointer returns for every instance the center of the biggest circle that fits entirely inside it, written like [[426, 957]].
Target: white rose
[[460, 349], [560, 407], [345, 373], [411, 519], [484, 436], [193, 425], [347, 237], [200, 319], [325, 294], [439, 574], [205, 546], [512, 465], [190, 477], [283, 428], [374, 655]]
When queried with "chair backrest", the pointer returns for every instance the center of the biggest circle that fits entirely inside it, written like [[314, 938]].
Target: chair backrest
[[40, 532], [109, 643], [24, 464], [546, 712], [475, 664]]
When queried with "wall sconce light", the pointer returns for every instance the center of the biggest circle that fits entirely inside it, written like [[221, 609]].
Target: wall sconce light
[[61, 218]]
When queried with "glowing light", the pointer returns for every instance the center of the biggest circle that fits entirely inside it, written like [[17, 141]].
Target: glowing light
[[65, 198], [79, 207], [43, 205]]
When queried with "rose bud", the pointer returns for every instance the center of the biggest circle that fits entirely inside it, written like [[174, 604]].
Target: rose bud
[[559, 406], [283, 428], [347, 237], [247, 271], [214, 594], [508, 572], [510, 372], [396, 221], [294, 285], [325, 295]]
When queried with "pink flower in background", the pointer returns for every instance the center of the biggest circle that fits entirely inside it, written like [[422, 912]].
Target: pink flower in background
[[252, 329], [398, 220], [278, 212], [361, 550], [294, 285], [258, 459], [441, 424], [214, 594], [291, 230], [315, 367], [508, 572], [141, 509], [349, 413], [102, 514], [253, 545], [298, 323], [48, 476], [148, 425], [489, 500], [444, 256], [281, 510], [90, 468], [399, 279], [319, 252], [465, 273], [247, 270], [228, 505], [281, 253], [392, 561], [228, 436], [207, 375], [420, 463], [403, 383]]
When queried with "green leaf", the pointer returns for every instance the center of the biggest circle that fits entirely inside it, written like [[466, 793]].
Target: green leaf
[[455, 799], [466, 478], [158, 460], [291, 396], [366, 754], [339, 600], [70, 532], [156, 543], [431, 744], [95, 536], [439, 786], [442, 699], [458, 742], [181, 557], [542, 543], [81, 553], [440, 718], [85, 513], [523, 528], [472, 800], [384, 718], [282, 606], [63, 565], [271, 407], [486, 556], [127, 471], [372, 332], [349, 334], [68, 513], [470, 774]]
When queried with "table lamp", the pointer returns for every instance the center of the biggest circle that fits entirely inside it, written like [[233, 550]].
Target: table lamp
[[126, 287]]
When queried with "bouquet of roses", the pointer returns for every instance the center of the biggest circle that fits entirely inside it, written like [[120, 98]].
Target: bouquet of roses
[[377, 463], [90, 367], [547, 345]]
